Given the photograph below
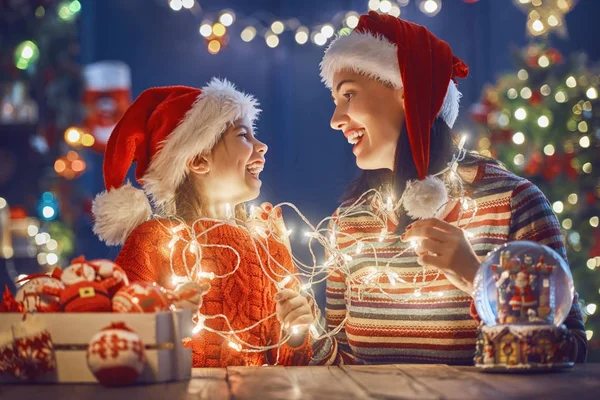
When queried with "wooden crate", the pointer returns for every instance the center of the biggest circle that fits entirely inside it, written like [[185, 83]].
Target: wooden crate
[[161, 333]]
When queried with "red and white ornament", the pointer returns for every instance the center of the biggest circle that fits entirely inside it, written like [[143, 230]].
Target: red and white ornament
[[26, 350], [112, 276], [140, 297], [78, 271], [116, 355], [40, 293]]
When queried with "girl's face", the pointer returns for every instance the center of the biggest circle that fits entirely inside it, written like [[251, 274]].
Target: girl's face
[[370, 114], [230, 173]]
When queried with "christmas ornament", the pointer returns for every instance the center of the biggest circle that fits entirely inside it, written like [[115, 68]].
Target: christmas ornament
[[85, 297], [112, 276], [140, 297], [40, 293], [26, 350], [78, 272], [106, 97], [116, 355], [523, 294]]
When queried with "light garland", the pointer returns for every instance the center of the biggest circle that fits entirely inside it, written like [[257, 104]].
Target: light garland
[[214, 27], [325, 234]]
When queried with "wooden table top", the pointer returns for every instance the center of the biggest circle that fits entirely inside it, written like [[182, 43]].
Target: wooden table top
[[406, 381]]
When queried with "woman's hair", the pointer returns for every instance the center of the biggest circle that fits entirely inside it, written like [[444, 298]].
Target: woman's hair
[[442, 148]]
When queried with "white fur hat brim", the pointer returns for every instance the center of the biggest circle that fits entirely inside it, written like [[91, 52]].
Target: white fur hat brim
[[377, 58], [118, 211]]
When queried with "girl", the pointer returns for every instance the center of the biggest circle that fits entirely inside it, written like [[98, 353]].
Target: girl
[[198, 160], [393, 84]]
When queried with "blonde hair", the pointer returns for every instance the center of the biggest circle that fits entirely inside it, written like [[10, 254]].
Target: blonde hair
[[188, 201]]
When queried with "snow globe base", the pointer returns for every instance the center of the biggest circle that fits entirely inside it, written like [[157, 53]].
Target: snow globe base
[[524, 348]]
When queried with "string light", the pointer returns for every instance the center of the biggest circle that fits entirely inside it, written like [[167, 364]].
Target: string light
[[520, 114], [227, 18], [338, 260], [430, 7], [187, 4], [543, 121], [523, 74], [205, 29], [592, 93], [277, 27], [272, 41], [327, 31], [248, 34], [549, 150], [352, 20], [301, 35], [518, 138], [175, 5], [571, 82], [558, 207]]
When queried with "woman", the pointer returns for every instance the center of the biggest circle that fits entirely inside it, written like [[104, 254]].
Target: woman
[[393, 84], [199, 160]]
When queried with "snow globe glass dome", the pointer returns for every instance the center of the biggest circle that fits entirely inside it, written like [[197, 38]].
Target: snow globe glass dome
[[523, 283]]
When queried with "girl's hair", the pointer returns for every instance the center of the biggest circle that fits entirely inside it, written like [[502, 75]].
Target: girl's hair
[[188, 201], [442, 148]]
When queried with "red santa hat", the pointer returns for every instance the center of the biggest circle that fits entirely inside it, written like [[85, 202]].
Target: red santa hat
[[163, 129], [405, 55]]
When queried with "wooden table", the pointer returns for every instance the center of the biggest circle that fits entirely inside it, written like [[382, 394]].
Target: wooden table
[[344, 383]]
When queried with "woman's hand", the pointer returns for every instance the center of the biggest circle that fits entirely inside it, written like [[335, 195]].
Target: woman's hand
[[268, 221], [294, 314], [446, 247]]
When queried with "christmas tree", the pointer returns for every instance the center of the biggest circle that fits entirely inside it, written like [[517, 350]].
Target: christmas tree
[[40, 99], [543, 123]]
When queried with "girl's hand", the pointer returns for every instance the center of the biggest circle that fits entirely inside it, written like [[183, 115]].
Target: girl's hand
[[268, 221], [446, 247], [293, 311], [189, 295]]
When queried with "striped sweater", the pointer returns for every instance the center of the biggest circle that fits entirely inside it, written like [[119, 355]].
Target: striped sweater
[[437, 326]]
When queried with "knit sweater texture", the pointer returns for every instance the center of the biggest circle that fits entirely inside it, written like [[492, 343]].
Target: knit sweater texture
[[438, 326], [244, 297]]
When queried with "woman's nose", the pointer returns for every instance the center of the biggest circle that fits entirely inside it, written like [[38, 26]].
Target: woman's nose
[[338, 119]]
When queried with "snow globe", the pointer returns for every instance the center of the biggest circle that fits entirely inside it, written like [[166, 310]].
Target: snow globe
[[523, 294]]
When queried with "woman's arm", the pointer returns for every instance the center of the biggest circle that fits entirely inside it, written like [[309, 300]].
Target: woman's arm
[[532, 219]]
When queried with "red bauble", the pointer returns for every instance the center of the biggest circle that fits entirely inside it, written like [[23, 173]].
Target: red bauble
[[535, 99], [78, 271], [140, 297], [116, 355], [554, 56], [85, 297], [40, 293]]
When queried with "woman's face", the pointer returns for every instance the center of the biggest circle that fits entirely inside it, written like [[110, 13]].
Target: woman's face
[[370, 114], [234, 165]]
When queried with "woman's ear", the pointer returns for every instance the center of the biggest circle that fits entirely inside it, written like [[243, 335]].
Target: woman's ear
[[199, 165], [401, 96]]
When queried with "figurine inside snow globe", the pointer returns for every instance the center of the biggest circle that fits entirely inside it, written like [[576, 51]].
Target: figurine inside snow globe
[[523, 294]]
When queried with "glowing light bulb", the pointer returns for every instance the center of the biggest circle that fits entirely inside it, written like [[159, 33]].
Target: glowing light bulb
[[284, 281], [359, 247], [199, 326], [234, 346], [383, 235]]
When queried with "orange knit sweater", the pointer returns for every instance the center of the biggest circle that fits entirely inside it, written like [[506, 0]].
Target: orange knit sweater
[[245, 297]]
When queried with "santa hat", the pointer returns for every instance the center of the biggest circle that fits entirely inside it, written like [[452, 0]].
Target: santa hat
[[405, 55], [163, 129]]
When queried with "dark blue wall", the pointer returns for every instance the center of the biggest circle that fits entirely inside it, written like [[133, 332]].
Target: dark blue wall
[[308, 163]]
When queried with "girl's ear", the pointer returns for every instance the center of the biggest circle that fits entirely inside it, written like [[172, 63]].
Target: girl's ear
[[199, 164]]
